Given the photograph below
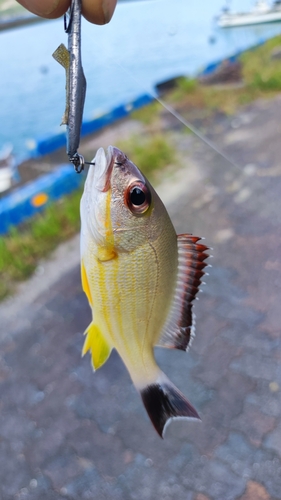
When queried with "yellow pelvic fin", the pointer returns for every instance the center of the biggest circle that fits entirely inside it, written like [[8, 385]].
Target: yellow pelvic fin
[[62, 56], [85, 284], [95, 342]]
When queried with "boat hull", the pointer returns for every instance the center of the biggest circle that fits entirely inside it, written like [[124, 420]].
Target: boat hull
[[231, 20]]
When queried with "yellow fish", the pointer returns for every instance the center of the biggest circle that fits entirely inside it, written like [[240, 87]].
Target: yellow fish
[[140, 279]]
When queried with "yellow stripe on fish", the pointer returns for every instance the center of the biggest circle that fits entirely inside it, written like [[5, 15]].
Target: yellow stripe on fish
[[106, 250]]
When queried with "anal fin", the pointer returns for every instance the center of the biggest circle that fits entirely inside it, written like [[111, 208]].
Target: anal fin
[[179, 327], [95, 342]]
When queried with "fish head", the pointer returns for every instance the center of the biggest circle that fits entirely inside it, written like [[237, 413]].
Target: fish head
[[119, 208]]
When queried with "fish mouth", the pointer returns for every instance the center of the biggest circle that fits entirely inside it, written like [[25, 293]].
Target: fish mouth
[[100, 172]]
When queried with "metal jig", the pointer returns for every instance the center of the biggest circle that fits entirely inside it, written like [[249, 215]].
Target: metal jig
[[77, 85], [70, 59]]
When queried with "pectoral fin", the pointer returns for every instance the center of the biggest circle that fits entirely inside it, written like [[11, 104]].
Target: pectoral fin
[[179, 328], [95, 342]]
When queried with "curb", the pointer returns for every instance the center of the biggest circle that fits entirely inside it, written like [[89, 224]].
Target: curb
[[32, 198]]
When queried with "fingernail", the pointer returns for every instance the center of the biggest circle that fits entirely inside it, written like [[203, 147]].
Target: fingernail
[[108, 7]]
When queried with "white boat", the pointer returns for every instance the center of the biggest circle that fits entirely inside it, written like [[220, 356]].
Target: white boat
[[261, 13], [7, 165]]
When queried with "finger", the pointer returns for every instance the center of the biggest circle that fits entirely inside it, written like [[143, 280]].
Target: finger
[[49, 9], [98, 11]]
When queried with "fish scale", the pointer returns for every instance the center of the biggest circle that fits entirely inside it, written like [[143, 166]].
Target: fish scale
[[120, 311]]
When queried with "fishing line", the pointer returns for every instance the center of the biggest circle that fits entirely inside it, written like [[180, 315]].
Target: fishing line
[[179, 117], [196, 132]]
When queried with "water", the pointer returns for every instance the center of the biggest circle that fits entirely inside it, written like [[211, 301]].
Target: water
[[145, 43]]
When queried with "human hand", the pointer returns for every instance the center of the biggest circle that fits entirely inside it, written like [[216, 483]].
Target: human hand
[[95, 11]]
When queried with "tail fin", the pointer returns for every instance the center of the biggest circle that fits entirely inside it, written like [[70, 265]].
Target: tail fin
[[164, 401]]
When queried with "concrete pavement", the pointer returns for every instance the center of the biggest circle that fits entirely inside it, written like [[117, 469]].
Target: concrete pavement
[[66, 433]]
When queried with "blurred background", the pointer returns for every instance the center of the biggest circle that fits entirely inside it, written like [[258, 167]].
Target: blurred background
[[145, 43], [64, 431]]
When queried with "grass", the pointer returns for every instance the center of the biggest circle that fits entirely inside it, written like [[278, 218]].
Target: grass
[[148, 114], [150, 154], [261, 79], [261, 72], [22, 248]]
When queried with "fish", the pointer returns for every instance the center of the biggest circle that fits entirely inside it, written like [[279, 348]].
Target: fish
[[140, 279]]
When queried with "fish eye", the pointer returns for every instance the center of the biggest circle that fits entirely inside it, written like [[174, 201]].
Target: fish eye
[[138, 198]]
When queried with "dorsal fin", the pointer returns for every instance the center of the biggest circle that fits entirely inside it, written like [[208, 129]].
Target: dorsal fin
[[179, 327]]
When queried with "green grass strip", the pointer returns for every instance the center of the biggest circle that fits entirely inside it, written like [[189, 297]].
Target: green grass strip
[[21, 248]]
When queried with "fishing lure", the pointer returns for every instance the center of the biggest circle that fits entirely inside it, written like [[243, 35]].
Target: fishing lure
[[71, 60]]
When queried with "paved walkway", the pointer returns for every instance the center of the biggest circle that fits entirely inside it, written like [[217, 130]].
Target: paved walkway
[[66, 433]]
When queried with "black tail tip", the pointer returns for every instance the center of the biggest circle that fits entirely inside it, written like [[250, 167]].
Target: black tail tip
[[164, 401]]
